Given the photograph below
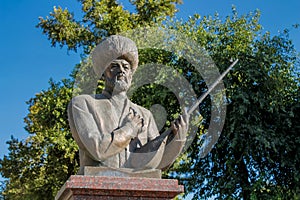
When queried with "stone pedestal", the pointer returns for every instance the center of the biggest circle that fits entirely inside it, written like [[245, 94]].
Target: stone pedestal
[[121, 172], [112, 188]]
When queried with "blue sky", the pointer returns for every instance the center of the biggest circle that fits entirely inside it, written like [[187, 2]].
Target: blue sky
[[27, 60]]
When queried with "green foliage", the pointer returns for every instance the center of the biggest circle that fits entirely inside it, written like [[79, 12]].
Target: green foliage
[[101, 19], [38, 166], [152, 12], [257, 154]]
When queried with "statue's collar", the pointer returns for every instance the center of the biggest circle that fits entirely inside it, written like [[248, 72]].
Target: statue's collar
[[118, 97]]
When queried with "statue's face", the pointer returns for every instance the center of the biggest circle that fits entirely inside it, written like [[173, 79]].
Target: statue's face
[[118, 75]]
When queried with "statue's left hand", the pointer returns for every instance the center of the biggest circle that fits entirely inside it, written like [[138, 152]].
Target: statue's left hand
[[180, 126]]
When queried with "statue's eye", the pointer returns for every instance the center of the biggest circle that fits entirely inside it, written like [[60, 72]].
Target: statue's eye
[[126, 66], [114, 66]]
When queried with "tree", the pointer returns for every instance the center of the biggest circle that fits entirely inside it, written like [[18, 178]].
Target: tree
[[38, 166], [100, 19], [257, 154]]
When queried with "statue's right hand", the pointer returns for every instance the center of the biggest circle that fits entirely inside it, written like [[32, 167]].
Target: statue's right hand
[[135, 121]]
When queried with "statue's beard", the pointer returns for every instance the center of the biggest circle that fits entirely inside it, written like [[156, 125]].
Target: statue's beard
[[116, 85]]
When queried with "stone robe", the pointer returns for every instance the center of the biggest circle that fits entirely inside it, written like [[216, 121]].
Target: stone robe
[[92, 121]]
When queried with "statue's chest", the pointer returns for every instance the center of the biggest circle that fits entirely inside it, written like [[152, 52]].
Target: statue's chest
[[110, 118]]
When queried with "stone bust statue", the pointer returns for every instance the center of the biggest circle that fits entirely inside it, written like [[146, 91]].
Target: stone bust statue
[[112, 131]]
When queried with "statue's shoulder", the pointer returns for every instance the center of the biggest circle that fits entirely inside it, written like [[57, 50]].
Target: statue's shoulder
[[86, 99], [142, 110]]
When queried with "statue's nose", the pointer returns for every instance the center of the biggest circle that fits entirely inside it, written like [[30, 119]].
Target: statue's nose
[[122, 69]]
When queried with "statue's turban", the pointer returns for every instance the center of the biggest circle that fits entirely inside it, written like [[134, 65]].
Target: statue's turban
[[111, 48]]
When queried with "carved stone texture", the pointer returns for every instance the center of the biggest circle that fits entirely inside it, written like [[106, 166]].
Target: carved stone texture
[[121, 172]]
